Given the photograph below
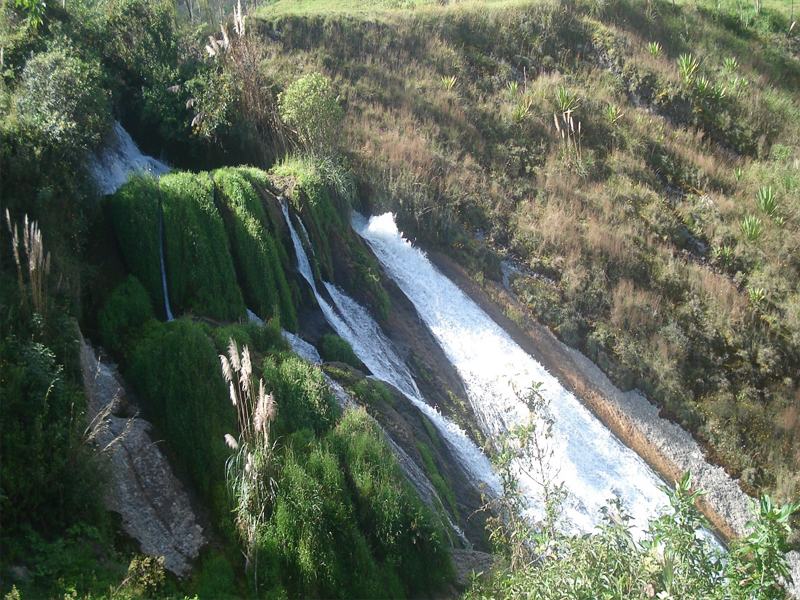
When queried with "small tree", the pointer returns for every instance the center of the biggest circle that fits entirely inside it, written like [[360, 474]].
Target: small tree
[[309, 107]]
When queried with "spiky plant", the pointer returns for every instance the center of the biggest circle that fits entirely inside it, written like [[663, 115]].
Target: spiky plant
[[566, 100], [449, 82], [654, 48], [767, 201], [751, 228], [688, 67], [612, 114], [731, 65], [512, 86], [250, 470]]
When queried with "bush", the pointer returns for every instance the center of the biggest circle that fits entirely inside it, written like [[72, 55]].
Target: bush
[[303, 397], [48, 480], [310, 108], [332, 348], [62, 99], [127, 308], [200, 270], [174, 369], [260, 273]]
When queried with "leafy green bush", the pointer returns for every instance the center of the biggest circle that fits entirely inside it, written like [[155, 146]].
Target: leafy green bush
[[303, 397], [332, 348], [62, 99], [47, 475], [200, 269], [134, 214], [128, 307], [260, 273], [174, 369], [310, 108]]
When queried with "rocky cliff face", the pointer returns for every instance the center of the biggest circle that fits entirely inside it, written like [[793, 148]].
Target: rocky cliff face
[[142, 488]]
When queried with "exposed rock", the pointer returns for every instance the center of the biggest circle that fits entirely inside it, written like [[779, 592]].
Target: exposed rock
[[470, 562], [154, 506]]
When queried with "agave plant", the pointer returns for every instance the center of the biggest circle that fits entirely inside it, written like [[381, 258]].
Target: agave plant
[[566, 100], [767, 201], [612, 114], [751, 228], [704, 87], [723, 255], [688, 67], [513, 86], [654, 48], [738, 173], [757, 294], [731, 65], [449, 82]]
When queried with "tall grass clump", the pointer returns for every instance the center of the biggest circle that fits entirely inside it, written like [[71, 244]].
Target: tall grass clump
[[251, 470], [258, 261], [36, 264], [767, 201], [200, 270], [134, 215], [333, 348]]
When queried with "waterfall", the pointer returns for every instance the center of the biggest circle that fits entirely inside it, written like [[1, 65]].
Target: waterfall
[[353, 323], [587, 458], [112, 167], [161, 256]]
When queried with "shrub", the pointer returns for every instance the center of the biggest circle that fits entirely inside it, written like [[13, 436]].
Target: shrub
[[172, 368], [127, 308], [310, 108], [200, 270], [48, 481], [259, 267], [62, 99], [332, 348]]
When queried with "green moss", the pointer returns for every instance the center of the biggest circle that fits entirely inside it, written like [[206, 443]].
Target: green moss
[[200, 271], [332, 348], [303, 397], [174, 368], [442, 486], [259, 266], [127, 308], [134, 214]]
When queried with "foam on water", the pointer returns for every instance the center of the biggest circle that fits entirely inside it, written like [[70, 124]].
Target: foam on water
[[112, 168], [592, 463]]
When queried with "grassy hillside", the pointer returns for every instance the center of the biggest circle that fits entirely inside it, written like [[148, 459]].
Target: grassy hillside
[[618, 151]]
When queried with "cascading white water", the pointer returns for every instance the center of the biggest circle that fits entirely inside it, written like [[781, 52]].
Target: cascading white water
[[112, 167], [353, 323], [592, 463]]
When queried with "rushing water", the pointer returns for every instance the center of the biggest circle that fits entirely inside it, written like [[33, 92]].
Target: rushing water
[[591, 462], [353, 323], [113, 166]]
